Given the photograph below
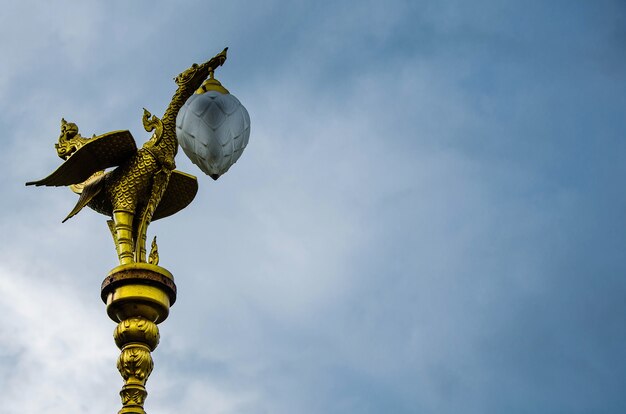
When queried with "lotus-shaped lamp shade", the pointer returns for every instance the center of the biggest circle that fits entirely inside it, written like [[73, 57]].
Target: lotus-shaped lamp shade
[[213, 129]]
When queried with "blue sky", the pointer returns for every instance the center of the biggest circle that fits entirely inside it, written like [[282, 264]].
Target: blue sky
[[429, 217]]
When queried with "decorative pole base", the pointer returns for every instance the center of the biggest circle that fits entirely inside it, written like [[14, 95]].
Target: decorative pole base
[[138, 296]]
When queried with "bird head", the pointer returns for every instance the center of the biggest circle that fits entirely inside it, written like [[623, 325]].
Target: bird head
[[197, 73], [66, 147]]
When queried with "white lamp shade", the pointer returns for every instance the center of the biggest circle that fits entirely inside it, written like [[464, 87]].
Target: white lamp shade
[[213, 129]]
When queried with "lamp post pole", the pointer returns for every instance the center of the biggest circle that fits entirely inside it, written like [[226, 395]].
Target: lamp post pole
[[138, 296]]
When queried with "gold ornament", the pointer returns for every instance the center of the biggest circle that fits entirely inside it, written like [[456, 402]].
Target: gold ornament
[[144, 186]]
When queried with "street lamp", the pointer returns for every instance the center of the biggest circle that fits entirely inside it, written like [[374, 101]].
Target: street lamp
[[213, 128], [134, 186]]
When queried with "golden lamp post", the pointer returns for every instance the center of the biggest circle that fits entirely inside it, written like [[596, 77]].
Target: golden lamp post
[[136, 186]]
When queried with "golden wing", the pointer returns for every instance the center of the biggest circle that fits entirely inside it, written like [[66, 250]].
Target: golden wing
[[181, 190], [87, 190], [104, 151]]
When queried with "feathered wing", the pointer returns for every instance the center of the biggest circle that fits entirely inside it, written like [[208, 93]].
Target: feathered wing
[[104, 151], [180, 192], [91, 188]]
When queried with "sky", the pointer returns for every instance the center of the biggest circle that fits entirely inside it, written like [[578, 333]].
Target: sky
[[430, 216]]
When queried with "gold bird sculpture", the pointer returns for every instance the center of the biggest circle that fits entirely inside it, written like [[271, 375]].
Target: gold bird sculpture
[[144, 184]]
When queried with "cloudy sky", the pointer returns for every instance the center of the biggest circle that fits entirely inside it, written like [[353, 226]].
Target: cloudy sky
[[430, 216]]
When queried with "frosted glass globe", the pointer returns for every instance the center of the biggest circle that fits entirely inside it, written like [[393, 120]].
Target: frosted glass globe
[[213, 129]]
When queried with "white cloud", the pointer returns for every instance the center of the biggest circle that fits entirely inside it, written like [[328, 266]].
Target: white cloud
[[57, 349]]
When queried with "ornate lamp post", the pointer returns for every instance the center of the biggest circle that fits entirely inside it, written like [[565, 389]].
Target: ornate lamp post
[[213, 129]]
